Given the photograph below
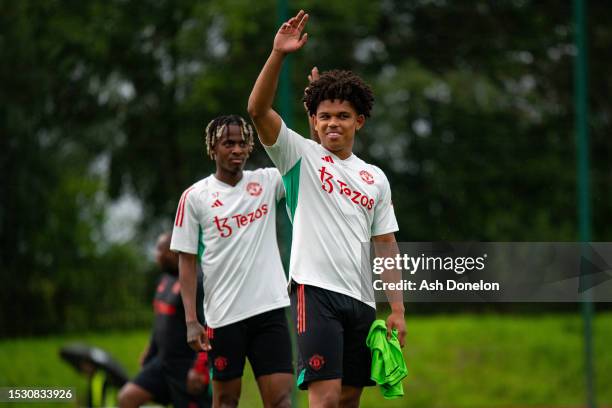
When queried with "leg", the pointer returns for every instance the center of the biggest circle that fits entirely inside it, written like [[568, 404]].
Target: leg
[[275, 390], [317, 314], [357, 357], [226, 394], [175, 373], [269, 336], [149, 385], [350, 396], [133, 396], [227, 358], [325, 393]]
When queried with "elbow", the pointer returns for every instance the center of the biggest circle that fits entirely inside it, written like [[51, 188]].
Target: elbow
[[253, 110], [256, 108]]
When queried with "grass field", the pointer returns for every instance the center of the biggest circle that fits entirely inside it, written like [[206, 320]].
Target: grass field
[[454, 361]]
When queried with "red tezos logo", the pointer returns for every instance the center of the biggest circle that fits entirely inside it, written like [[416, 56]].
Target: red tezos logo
[[220, 363], [254, 189], [367, 177], [316, 362]]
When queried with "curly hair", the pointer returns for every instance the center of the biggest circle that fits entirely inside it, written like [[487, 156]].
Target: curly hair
[[341, 85], [217, 128]]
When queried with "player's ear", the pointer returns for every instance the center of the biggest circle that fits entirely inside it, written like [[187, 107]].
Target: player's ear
[[213, 150], [360, 121]]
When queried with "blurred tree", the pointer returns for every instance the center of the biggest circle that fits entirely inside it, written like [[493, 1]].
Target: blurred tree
[[473, 125]]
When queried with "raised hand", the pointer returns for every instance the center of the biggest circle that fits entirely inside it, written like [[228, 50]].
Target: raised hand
[[289, 37], [314, 75]]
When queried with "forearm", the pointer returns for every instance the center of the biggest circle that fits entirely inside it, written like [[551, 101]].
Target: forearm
[[264, 90], [188, 280], [394, 297], [387, 248], [288, 39]]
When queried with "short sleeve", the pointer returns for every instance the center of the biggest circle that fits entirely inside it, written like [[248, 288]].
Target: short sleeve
[[186, 227], [384, 216], [287, 150], [277, 181]]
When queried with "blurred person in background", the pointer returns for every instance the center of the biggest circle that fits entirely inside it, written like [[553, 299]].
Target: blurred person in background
[[171, 371]]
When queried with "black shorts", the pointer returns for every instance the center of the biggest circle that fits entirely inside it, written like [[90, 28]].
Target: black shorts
[[263, 338], [167, 382], [332, 329]]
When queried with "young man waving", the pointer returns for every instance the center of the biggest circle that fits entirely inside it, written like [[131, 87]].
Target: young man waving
[[337, 202]]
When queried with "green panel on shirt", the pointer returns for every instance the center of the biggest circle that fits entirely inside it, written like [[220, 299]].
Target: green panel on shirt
[[291, 180], [201, 246]]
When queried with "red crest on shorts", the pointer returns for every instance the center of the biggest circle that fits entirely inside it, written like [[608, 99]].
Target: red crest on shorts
[[316, 362], [220, 363], [254, 189], [367, 177]]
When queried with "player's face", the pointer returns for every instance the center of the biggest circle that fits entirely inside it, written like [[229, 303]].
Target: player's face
[[231, 152], [336, 123]]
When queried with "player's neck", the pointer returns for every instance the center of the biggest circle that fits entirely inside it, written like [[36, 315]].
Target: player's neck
[[227, 177], [342, 154]]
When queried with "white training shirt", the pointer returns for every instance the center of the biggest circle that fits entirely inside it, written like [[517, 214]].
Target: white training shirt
[[233, 231], [335, 206]]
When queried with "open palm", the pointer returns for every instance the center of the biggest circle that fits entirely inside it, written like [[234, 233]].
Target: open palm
[[289, 37]]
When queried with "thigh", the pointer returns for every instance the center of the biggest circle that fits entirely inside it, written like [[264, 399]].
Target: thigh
[[319, 336], [350, 396], [151, 379], [228, 351], [175, 373], [325, 393], [227, 393], [132, 395], [357, 361], [269, 344], [275, 389]]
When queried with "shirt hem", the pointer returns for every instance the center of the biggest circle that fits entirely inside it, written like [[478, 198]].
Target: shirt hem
[[185, 250], [333, 289], [250, 313], [383, 232]]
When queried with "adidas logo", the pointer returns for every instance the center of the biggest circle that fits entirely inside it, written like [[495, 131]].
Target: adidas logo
[[328, 159], [217, 203]]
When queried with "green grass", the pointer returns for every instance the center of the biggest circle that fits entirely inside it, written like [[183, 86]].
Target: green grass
[[454, 361]]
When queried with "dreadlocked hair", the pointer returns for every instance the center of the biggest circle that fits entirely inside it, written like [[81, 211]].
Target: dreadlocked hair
[[339, 85], [218, 127]]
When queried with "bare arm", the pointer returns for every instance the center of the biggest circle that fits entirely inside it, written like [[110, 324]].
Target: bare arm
[[386, 246], [288, 39], [196, 335]]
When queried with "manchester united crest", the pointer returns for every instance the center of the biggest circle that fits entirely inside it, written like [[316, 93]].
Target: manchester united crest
[[220, 363], [316, 362], [367, 177], [254, 189]]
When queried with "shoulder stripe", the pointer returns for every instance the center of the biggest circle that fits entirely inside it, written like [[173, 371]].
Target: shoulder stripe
[[180, 213]]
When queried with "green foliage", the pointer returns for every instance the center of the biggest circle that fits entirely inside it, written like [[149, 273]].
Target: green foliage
[[473, 124]]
